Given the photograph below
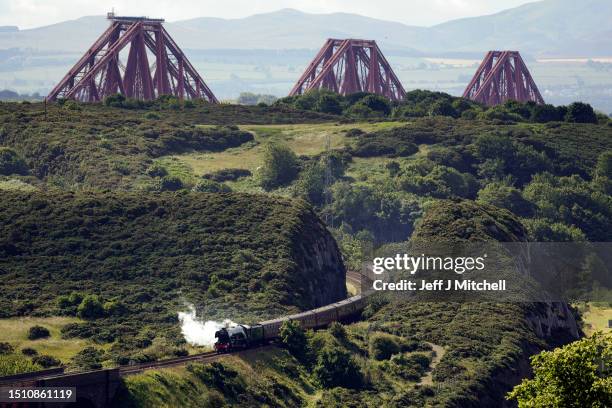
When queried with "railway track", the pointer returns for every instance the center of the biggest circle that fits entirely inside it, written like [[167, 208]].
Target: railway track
[[353, 277]]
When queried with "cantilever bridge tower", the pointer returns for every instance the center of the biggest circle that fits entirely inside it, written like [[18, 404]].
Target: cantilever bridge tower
[[349, 66], [154, 65], [503, 75]]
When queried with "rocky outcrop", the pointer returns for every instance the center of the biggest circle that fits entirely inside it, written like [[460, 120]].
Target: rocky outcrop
[[321, 272]]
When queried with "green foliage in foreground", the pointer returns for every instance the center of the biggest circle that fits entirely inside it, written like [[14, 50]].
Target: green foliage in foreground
[[578, 375]]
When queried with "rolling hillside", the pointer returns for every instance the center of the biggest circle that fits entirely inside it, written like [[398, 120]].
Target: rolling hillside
[[549, 27]]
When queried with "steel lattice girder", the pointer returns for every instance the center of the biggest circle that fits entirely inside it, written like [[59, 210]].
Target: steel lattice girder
[[349, 66], [101, 72], [503, 76]]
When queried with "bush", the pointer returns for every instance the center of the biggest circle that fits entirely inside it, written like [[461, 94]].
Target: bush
[[443, 107], [46, 361], [337, 330], [383, 346], [504, 196], [209, 186], [328, 103], [576, 375], [5, 348], [336, 368], [579, 112], [11, 163], [28, 351], [170, 183], [38, 332], [114, 308], [90, 308], [89, 358], [12, 364], [293, 338], [227, 175], [157, 170], [280, 166]]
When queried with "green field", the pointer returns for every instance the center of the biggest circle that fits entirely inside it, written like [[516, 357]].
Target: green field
[[596, 317], [303, 139], [15, 332]]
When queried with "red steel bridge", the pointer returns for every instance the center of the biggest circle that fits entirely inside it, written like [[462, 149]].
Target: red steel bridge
[[503, 76], [349, 66], [101, 71]]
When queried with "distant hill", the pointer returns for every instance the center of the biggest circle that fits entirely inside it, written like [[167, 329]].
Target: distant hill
[[549, 27]]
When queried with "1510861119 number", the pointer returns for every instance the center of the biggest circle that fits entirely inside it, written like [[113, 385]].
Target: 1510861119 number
[[39, 394]]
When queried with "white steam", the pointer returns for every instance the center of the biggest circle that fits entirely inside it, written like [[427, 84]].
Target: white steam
[[197, 332]]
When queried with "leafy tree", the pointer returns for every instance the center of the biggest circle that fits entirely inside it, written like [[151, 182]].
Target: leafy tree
[[280, 166], [90, 308], [311, 183], [11, 163], [336, 368], [571, 201], [577, 375], [294, 339], [38, 332], [579, 112]]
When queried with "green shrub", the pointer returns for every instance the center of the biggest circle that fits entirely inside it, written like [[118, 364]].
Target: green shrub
[[293, 338], [227, 175], [337, 330], [280, 166], [383, 346], [576, 375], [12, 364], [11, 163], [209, 186], [90, 308], [46, 361], [5, 348], [579, 112], [157, 170], [170, 183], [336, 368], [89, 358], [28, 351], [38, 332]]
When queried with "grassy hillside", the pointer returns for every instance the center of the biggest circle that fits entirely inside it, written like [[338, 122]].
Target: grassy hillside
[[144, 257], [93, 146]]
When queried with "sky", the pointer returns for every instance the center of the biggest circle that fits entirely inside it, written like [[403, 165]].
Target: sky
[[35, 13]]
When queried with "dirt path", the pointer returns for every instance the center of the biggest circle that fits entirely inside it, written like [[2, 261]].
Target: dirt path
[[427, 379]]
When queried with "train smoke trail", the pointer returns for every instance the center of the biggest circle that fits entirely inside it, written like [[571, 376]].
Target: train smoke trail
[[197, 332]]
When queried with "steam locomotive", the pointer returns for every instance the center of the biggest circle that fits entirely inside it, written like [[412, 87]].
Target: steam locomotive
[[242, 336]]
